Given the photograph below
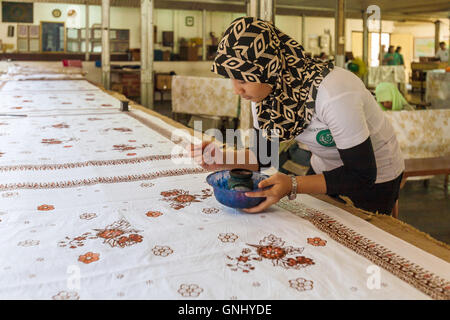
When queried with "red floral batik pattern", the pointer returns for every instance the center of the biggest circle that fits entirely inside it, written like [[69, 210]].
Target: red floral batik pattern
[[427, 282], [61, 126], [190, 290], [127, 147], [301, 284], [118, 234], [180, 199], [317, 242], [273, 249]]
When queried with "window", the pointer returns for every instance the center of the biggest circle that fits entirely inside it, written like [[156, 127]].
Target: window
[[375, 47]]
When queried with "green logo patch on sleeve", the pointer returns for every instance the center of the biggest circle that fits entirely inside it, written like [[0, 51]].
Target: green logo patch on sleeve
[[324, 138]]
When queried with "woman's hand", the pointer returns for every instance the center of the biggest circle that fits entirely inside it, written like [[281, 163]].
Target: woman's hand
[[281, 187], [207, 155]]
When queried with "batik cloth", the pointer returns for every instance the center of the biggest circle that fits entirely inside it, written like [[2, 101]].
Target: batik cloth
[[100, 204]]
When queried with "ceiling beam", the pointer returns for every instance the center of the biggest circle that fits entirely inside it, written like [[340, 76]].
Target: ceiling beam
[[420, 8], [394, 14], [197, 5]]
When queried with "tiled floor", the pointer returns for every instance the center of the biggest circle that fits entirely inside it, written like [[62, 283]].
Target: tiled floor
[[425, 208]]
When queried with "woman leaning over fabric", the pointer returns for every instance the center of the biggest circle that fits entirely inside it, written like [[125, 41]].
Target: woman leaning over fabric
[[354, 149]]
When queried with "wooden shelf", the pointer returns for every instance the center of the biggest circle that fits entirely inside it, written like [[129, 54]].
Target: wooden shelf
[[119, 40]]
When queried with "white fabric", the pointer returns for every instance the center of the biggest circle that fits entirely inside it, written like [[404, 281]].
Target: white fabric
[[53, 102], [351, 114], [42, 86], [394, 74], [438, 89], [204, 96], [422, 133], [43, 76], [113, 221]]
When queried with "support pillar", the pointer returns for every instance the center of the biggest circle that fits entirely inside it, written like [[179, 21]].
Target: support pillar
[[379, 44], [204, 53], [88, 32], [253, 8], [267, 10], [365, 44], [106, 57], [437, 30], [147, 53], [340, 33], [304, 31]]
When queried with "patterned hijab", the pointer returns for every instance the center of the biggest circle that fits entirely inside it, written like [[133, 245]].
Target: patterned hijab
[[254, 50]]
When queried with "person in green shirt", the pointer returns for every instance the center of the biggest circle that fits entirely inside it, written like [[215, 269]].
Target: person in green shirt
[[398, 57], [390, 98], [389, 57]]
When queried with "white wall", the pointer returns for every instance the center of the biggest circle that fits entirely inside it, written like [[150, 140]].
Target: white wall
[[291, 26], [422, 30], [43, 12]]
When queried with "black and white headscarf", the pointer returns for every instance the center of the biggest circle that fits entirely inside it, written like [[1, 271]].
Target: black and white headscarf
[[254, 50]]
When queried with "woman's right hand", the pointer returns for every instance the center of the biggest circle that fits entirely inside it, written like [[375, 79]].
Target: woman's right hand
[[207, 155]]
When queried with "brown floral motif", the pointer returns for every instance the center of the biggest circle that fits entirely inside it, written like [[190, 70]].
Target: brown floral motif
[[270, 248], [123, 129], [64, 295], [154, 214], [190, 290], [60, 126], [46, 207], [147, 184], [180, 199], [89, 257], [28, 243], [106, 105], [1, 154], [210, 210], [162, 251], [228, 237], [428, 283], [317, 242], [10, 194], [94, 119], [51, 141], [301, 284], [118, 234], [123, 147], [126, 147], [88, 216]]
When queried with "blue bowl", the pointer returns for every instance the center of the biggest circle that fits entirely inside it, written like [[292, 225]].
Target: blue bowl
[[234, 198]]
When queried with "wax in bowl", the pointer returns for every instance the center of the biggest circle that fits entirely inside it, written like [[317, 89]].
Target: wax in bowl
[[234, 198]]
